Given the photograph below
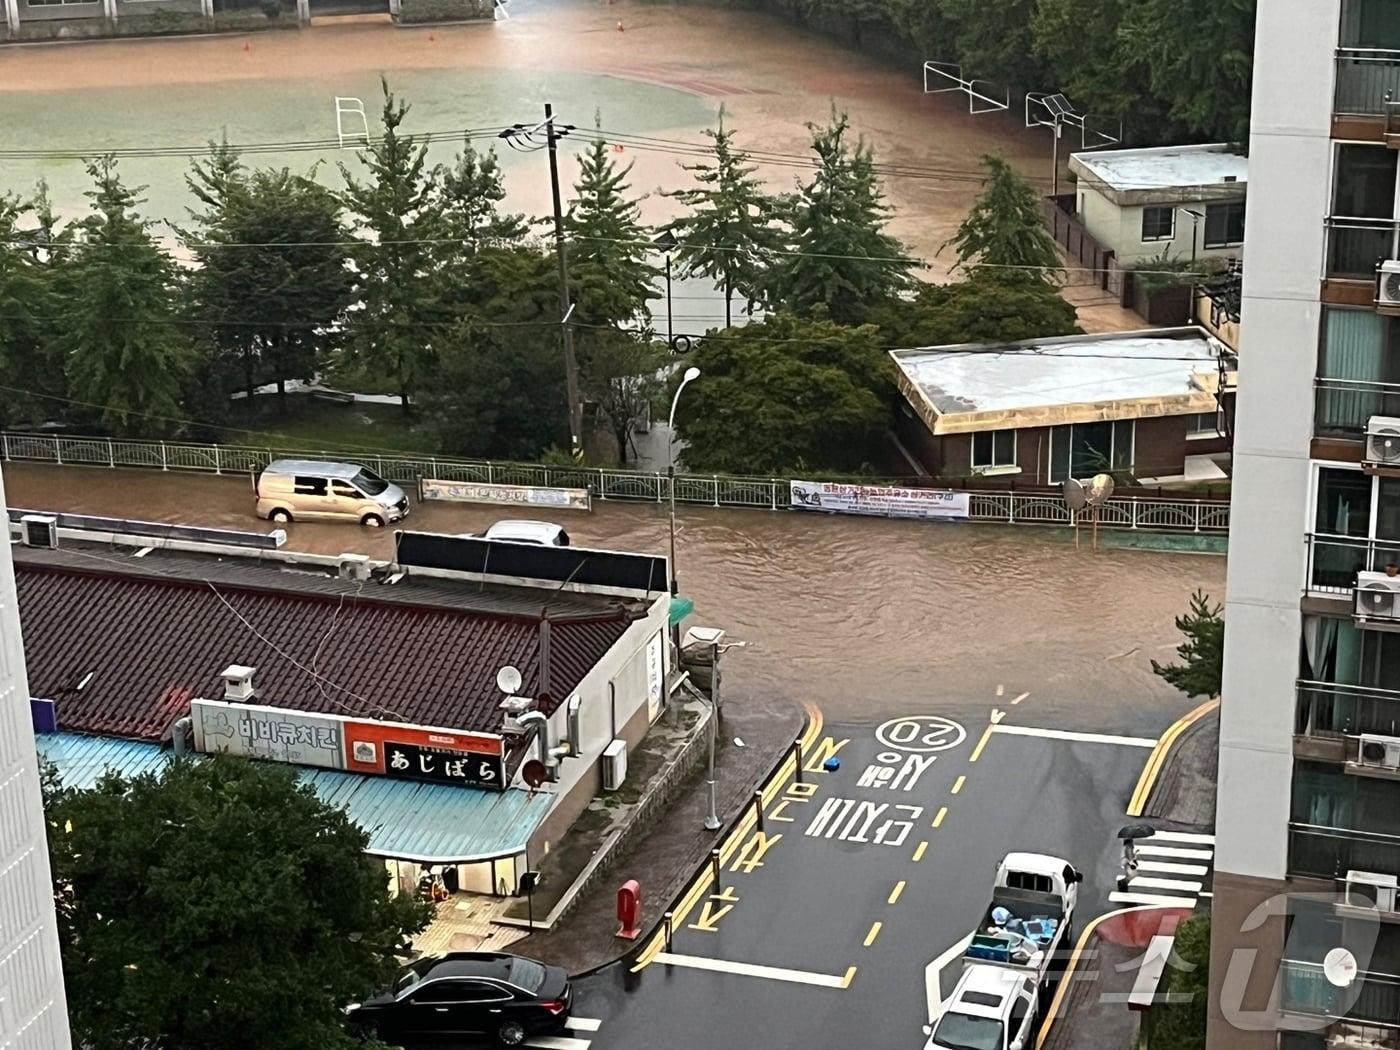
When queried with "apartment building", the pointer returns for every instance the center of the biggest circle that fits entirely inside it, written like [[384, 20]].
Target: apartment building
[[33, 1012], [1308, 814]]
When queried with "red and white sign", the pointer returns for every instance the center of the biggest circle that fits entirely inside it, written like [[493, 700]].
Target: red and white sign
[[422, 753]]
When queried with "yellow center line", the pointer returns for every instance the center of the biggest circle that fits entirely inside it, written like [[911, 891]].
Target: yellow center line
[[919, 851], [977, 751], [874, 932], [958, 784], [938, 820], [894, 893], [850, 976]]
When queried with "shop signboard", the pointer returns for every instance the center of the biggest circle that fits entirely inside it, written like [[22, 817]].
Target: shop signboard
[[508, 495], [256, 731], [422, 753], [656, 675], [879, 500]]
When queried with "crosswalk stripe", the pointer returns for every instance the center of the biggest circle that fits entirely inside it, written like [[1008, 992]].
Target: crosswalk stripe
[[557, 1042], [1150, 883], [1172, 869], [1174, 851], [584, 1024], [1155, 900], [1184, 836]]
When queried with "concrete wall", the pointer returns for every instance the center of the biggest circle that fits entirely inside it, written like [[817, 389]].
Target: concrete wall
[[1288, 194], [1120, 229], [33, 1012]]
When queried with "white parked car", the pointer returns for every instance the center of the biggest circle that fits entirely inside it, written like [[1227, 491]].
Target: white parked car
[[992, 1008], [545, 533]]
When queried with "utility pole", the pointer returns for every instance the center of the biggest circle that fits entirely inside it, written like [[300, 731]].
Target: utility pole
[[566, 306]]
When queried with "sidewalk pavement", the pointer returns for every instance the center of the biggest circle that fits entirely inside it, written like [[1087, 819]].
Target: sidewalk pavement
[[664, 858]]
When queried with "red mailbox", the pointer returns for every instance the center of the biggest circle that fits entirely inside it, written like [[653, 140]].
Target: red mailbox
[[629, 909]]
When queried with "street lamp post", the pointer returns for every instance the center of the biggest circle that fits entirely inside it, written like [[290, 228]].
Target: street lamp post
[[667, 243], [691, 373]]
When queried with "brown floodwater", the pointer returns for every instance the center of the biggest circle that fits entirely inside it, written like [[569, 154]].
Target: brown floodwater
[[866, 618]]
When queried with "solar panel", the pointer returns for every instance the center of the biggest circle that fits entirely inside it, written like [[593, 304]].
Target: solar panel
[[1058, 105]]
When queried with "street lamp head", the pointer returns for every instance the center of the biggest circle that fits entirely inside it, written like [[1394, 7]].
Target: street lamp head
[[690, 373], [666, 241]]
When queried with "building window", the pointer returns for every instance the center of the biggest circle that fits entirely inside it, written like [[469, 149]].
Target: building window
[[1224, 224], [1082, 450], [1358, 370], [992, 449], [1159, 223], [1204, 425]]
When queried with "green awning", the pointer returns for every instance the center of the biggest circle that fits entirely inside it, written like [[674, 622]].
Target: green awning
[[681, 607]]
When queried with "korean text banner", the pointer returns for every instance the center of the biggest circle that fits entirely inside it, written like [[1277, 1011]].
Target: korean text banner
[[879, 500]]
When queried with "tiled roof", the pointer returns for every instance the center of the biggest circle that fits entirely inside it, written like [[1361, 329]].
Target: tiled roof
[[153, 642]]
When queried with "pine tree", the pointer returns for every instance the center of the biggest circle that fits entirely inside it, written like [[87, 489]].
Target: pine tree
[[29, 302], [730, 231], [1202, 653], [400, 210], [125, 350], [470, 192], [843, 259], [609, 247], [1005, 231]]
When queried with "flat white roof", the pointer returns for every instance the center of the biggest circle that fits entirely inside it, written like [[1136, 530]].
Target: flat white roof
[[1158, 372], [1165, 167]]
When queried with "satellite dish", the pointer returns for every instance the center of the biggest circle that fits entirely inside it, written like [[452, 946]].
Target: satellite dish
[[534, 772], [1100, 488], [508, 680], [1339, 967], [1075, 497]]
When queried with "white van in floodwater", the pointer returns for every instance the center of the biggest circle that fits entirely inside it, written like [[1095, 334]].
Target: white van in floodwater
[[315, 490]]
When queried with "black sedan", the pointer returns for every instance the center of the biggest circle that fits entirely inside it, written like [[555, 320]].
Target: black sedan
[[488, 995]]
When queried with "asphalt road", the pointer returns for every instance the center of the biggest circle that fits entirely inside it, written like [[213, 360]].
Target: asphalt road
[[826, 924]]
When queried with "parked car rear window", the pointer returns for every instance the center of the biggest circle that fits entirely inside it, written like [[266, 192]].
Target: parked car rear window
[[527, 973], [370, 483]]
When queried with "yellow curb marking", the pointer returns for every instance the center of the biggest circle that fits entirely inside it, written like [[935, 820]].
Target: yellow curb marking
[[1157, 759]]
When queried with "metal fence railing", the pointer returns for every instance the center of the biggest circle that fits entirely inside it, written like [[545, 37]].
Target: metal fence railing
[[1356, 246], [1372, 997], [1344, 406], [1334, 561], [1367, 78], [1331, 709], [1151, 513], [1329, 853]]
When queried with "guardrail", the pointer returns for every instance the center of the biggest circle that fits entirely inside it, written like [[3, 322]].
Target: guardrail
[[1329, 853], [1344, 406], [1334, 561], [1331, 709], [1372, 997], [1367, 78], [1356, 246], [1152, 513]]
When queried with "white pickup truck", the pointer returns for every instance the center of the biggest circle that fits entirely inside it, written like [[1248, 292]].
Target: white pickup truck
[[992, 1008], [1030, 917]]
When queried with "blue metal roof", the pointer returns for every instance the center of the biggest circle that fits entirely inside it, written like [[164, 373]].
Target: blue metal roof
[[405, 819]]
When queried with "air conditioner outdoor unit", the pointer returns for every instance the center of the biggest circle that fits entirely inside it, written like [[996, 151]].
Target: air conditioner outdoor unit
[[1382, 442], [1369, 889], [1376, 598], [614, 765], [353, 567], [513, 707], [1378, 752], [39, 530], [1388, 287]]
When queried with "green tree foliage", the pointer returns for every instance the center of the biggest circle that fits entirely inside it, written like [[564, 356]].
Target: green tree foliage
[[993, 40], [400, 212], [29, 307], [985, 308], [621, 377], [1201, 653], [1180, 1022], [786, 395], [273, 279], [125, 350], [217, 904], [1005, 231], [500, 390], [470, 193], [609, 247], [730, 230], [843, 260]]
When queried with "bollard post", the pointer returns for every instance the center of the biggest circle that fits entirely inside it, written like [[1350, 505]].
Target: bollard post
[[669, 919], [714, 865], [797, 753], [758, 807]]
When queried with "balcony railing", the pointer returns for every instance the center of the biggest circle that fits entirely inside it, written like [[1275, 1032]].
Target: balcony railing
[[1334, 561], [1357, 245], [1342, 406], [1329, 853], [1367, 78], [1372, 997], [1329, 709]]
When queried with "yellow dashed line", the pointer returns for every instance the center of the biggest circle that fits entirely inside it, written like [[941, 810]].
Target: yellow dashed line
[[977, 751], [958, 784], [938, 820], [894, 893], [850, 976], [874, 932], [919, 851]]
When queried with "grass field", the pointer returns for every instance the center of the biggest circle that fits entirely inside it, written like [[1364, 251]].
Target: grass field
[[310, 424]]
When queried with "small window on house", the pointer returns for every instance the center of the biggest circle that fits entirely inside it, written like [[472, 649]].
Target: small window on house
[[1205, 425], [1224, 224], [1158, 223], [993, 448]]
